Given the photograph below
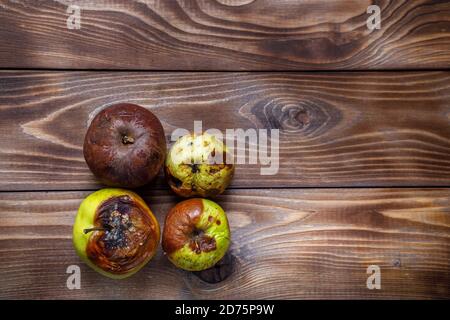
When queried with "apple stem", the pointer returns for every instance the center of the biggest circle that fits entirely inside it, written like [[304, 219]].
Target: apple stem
[[127, 140], [93, 229]]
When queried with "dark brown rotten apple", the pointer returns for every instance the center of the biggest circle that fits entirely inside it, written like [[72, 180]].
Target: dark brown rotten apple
[[125, 146]]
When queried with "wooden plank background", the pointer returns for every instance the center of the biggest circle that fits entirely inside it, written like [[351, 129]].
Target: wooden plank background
[[287, 244], [225, 35], [346, 129], [364, 172]]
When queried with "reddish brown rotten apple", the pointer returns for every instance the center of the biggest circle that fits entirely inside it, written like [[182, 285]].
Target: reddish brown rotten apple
[[125, 146]]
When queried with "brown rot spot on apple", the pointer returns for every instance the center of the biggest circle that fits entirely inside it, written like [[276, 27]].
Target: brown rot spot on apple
[[221, 270], [180, 228], [200, 242], [122, 237], [218, 222]]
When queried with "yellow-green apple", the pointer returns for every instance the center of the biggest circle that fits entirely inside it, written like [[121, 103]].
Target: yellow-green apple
[[196, 165], [115, 232], [196, 234]]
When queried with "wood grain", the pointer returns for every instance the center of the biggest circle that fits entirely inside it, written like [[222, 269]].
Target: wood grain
[[336, 129], [286, 243], [225, 35]]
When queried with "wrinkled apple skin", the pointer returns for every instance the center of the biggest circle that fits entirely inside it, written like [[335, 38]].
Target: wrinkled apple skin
[[125, 146], [204, 215], [190, 171], [85, 220]]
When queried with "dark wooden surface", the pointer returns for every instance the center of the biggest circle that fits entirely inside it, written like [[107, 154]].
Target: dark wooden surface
[[364, 172], [225, 35], [345, 129], [287, 244]]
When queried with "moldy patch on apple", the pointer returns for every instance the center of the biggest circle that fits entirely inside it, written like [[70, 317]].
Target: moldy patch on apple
[[121, 238]]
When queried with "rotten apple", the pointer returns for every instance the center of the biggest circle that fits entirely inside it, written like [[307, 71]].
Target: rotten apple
[[115, 232], [196, 165], [125, 146], [196, 234]]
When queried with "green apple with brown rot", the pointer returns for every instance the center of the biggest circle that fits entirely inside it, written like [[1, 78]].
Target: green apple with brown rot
[[115, 232], [199, 165], [196, 234]]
